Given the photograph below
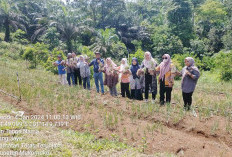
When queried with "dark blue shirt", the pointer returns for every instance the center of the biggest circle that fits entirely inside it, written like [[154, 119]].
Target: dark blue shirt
[[96, 64], [61, 68]]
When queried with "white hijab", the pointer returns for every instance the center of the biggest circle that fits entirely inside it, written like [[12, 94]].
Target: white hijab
[[150, 62], [123, 67]]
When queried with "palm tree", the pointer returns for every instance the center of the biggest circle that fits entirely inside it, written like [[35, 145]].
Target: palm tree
[[34, 10], [9, 16], [70, 23], [104, 41]]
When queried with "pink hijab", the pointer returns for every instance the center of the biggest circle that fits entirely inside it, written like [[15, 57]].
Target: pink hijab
[[165, 66], [109, 67]]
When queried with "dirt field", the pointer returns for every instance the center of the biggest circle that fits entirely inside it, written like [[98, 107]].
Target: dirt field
[[189, 137]]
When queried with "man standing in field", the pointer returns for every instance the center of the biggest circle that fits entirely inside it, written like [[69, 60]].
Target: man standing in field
[[61, 69], [98, 64]]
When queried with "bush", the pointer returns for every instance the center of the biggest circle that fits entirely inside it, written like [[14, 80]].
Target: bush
[[20, 37], [37, 53], [51, 59], [86, 51], [139, 54], [178, 60], [119, 51], [12, 50], [223, 62], [2, 35], [208, 63]]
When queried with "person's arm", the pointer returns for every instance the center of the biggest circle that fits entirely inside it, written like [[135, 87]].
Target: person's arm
[[91, 63], [173, 70], [194, 75], [104, 70], [55, 63], [173, 74], [102, 62], [155, 65], [66, 63], [142, 65], [157, 68]]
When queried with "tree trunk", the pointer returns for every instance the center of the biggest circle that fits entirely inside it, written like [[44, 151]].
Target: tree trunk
[[7, 30], [102, 14], [69, 46]]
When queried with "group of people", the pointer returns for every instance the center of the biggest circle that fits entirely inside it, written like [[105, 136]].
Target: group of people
[[135, 79]]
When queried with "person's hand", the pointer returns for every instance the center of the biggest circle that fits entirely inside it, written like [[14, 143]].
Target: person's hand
[[151, 72], [126, 72], [170, 84], [188, 73]]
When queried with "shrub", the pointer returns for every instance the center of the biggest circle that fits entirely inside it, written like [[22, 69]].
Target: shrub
[[12, 50], [37, 53], [208, 63], [86, 51], [178, 60], [139, 54], [51, 59], [223, 62], [20, 37], [2, 36]]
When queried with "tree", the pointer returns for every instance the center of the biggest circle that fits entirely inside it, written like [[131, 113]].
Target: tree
[[51, 37], [9, 16], [212, 11], [104, 41], [70, 23], [165, 42], [227, 40], [180, 20]]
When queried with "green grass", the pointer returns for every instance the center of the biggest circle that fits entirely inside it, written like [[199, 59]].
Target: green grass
[[40, 89]]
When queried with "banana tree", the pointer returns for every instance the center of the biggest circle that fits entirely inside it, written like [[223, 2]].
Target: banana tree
[[104, 41]]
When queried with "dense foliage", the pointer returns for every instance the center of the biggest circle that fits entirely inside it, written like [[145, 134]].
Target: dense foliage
[[39, 29]]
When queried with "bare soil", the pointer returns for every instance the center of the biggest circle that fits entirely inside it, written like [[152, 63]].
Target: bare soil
[[191, 136]]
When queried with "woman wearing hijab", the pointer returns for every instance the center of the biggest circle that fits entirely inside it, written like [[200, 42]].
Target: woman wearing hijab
[[70, 69], [84, 71], [149, 66], [166, 78], [111, 76], [190, 75], [124, 77], [135, 84]]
